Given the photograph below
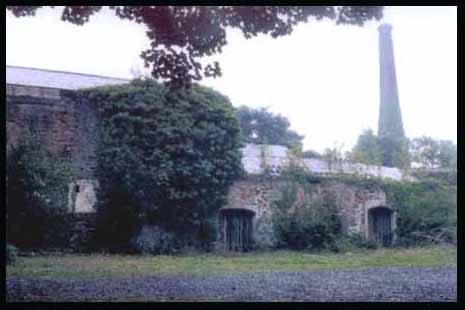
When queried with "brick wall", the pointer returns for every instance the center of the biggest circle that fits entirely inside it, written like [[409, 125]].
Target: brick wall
[[69, 128]]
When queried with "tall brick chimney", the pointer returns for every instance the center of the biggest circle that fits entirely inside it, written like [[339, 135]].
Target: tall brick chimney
[[393, 144], [390, 118]]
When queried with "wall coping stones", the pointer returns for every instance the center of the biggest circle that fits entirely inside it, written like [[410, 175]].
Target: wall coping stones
[[32, 91], [276, 157]]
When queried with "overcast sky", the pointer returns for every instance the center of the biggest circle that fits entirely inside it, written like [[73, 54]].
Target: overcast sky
[[323, 78]]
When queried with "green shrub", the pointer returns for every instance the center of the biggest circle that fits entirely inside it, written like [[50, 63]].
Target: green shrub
[[153, 240], [36, 195], [11, 254]]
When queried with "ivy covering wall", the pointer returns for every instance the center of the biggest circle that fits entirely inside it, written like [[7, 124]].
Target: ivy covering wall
[[166, 158], [36, 195]]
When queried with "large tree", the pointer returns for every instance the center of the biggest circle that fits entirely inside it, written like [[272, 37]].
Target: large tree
[[367, 149], [386, 150], [260, 126], [181, 35], [432, 153]]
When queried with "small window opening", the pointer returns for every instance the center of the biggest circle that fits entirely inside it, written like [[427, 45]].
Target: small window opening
[[76, 189]]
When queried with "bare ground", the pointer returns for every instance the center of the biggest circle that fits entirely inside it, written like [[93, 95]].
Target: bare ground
[[374, 284]]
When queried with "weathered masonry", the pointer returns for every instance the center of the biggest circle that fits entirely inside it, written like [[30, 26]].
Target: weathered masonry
[[362, 211], [46, 103]]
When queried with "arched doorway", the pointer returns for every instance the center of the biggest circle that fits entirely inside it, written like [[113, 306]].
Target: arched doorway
[[236, 229], [380, 225]]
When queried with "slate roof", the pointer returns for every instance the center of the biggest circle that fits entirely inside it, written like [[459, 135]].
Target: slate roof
[[57, 79]]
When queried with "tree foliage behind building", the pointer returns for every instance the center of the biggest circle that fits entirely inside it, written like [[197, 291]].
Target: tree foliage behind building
[[259, 126], [394, 151], [426, 152], [166, 158], [367, 149], [432, 153], [388, 151]]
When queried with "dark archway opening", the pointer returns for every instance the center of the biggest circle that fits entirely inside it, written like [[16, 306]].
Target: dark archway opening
[[380, 226], [237, 229]]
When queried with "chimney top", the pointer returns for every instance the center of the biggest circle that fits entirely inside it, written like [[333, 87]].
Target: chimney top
[[385, 28]]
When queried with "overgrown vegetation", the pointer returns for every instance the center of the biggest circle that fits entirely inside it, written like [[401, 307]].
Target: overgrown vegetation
[[304, 225], [427, 211], [301, 220], [36, 195], [166, 159]]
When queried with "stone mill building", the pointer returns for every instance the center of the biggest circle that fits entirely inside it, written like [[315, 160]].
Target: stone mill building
[[46, 102]]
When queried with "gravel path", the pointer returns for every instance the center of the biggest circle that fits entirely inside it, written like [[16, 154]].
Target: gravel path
[[375, 284]]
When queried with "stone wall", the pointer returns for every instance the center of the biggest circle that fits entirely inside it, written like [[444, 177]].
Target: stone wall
[[353, 203], [258, 194], [276, 157], [70, 128]]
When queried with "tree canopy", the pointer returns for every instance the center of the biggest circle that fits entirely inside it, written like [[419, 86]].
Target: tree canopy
[[431, 153], [423, 151], [181, 35], [367, 149], [260, 126], [387, 150]]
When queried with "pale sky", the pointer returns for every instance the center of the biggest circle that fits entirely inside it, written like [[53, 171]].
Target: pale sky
[[324, 78]]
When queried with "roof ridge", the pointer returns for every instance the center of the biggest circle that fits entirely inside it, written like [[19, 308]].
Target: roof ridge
[[69, 72]]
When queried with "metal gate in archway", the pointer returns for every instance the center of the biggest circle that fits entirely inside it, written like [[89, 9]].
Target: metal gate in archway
[[237, 229], [380, 226]]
